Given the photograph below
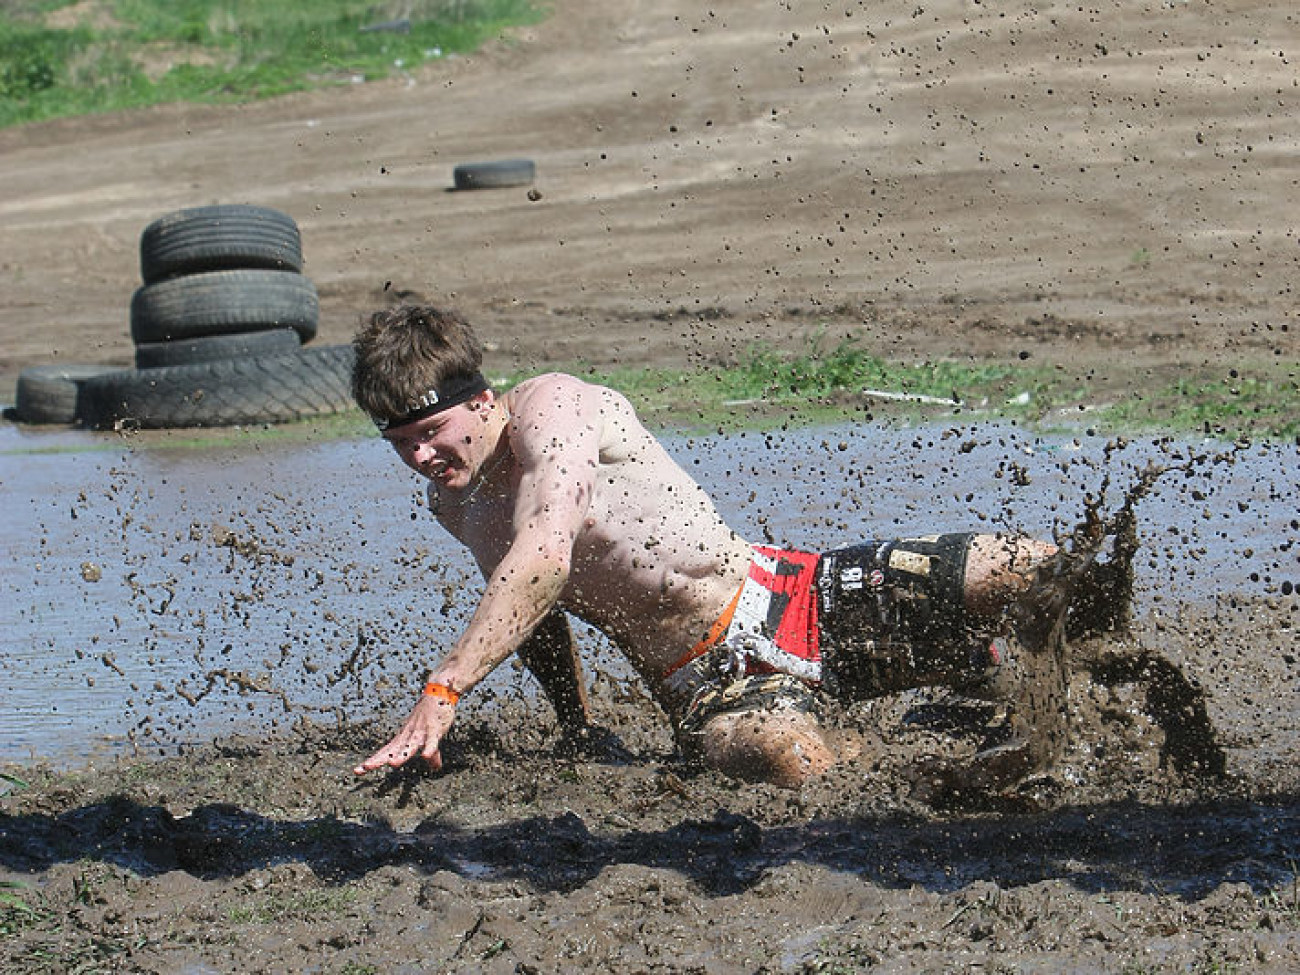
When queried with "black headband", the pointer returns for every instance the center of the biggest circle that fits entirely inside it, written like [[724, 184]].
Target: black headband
[[453, 392]]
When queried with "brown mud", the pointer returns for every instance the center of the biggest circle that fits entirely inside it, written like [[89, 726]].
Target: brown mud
[[1163, 837], [268, 855], [1110, 191]]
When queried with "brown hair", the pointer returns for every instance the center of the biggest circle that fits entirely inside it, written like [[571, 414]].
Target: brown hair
[[405, 350]]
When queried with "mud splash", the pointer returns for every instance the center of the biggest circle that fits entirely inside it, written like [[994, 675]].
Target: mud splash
[[173, 595]]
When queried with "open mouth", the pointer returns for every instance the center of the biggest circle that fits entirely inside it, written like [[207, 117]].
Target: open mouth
[[437, 471]]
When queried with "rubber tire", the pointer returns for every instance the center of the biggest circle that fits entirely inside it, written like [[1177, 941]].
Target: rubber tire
[[50, 394], [240, 345], [228, 392], [219, 238], [222, 303], [494, 175]]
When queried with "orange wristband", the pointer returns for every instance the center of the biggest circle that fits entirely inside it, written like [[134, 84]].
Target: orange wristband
[[442, 692]]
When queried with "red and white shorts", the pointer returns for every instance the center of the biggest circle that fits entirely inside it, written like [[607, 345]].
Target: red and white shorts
[[817, 617]]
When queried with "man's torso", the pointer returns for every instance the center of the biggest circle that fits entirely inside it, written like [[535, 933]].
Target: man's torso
[[653, 563]]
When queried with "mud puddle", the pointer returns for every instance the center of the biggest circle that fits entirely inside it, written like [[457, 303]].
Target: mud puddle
[[153, 597], [260, 605]]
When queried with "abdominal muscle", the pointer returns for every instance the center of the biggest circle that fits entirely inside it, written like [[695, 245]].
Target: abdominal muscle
[[655, 566], [655, 621]]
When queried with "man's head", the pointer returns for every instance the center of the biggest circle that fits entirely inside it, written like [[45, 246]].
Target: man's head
[[415, 361]]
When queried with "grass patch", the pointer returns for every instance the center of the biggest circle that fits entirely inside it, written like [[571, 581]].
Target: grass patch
[[15, 912], [1230, 406], [13, 780], [820, 386], [764, 390], [300, 905], [117, 54]]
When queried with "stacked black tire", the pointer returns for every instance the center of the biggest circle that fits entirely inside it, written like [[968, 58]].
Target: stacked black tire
[[219, 326], [221, 282]]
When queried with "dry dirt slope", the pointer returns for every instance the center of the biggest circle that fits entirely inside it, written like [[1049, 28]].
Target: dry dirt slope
[[1064, 180]]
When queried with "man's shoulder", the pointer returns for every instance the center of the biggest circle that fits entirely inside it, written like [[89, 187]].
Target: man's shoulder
[[557, 407], [550, 380], [550, 387]]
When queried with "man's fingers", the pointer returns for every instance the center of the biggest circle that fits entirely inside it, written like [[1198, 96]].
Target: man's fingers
[[421, 736], [372, 763], [398, 752], [377, 760]]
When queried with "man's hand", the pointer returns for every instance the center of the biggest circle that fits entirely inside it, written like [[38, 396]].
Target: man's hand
[[421, 735]]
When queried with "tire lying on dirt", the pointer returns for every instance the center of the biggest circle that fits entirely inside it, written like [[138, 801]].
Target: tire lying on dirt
[[219, 238], [494, 175], [222, 303], [226, 392], [277, 341], [50, 394]]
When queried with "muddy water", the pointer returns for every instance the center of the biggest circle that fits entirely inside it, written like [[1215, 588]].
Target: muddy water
[[154, 596]]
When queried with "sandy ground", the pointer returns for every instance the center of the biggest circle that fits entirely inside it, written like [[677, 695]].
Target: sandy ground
[[1108, 189]]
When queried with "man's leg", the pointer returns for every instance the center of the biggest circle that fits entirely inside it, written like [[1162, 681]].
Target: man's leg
[[1007, 589], [920, 611], [1000, 570], [780, 746], [761, 728], [958, 611]]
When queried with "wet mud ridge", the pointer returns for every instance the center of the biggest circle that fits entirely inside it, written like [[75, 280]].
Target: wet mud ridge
[[269, 851]]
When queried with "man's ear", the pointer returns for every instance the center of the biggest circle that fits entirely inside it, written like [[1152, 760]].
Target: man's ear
[[481, 400]]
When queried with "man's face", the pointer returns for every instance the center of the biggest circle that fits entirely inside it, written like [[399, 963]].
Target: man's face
[[448, 447]]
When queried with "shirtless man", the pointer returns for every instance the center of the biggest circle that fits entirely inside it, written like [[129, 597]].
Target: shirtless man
[[569, 505]]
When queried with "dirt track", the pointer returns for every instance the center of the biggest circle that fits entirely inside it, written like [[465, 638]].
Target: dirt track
[[1109, 189], [958, 179]]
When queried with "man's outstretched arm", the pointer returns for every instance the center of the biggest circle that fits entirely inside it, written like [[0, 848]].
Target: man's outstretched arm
[[520, 594], [555, 436]]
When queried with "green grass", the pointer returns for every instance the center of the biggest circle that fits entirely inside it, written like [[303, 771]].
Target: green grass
[[1229, 406], [764, 390], [304, 905], [132, 53], [847, 381], [819, 386], [16, 914]]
